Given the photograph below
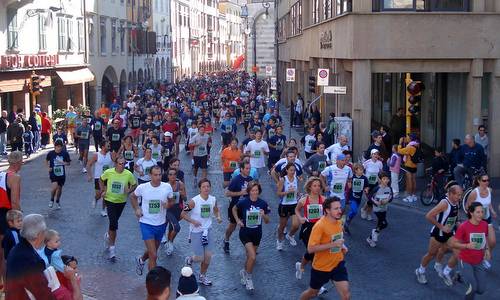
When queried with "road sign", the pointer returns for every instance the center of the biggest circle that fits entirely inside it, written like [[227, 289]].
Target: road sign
[[290, 75], [273, 83], [323, 76], [342, 90], [269, 70]]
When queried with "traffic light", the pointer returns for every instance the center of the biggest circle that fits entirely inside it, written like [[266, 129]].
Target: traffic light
[[414, 91], [312, 84], [35, 84]]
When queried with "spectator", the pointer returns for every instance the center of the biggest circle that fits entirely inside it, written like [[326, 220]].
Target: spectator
[[34, 129], [470, 156], [15, 134], [386, 138], [4, 123], [398, 125], [188, 286], [158, 283], [299, 110], [482, 139], [377, 144], [11, 117], [46, 130]]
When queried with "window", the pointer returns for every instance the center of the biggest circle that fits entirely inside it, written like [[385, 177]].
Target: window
[[449, 5], [113, 36], [403, 4], [327, 9], [343, 6], [42, 33], [102, 30], [315, 11], [91, 34], [12, 31], [81, 39], [70, 45], [122, 37], [61, 29]]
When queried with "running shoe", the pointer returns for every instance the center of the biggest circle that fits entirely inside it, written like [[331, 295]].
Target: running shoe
[[420, 277], [363, 214], [104, 213], [188, 261], [84, 170], [58, 205], [106, 241], [112, 253], [369, 217], [374, 235], [371, 242], [486, 264], [243, 275], [298, 270], [249, 284], [51, 204], [169, 248], [439, 269], [279, 245], [322, 291], [447, 279], [204, 280], [94, 203], [291, 240], [164, 240], [226, 247], [139, 265]]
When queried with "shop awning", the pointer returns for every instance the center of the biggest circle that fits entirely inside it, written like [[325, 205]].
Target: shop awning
[[76, 76]]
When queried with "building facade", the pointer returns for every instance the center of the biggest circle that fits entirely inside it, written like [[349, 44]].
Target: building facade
[[181, 55], [370, 47], [161, 20], [46, 37], [232, 37]]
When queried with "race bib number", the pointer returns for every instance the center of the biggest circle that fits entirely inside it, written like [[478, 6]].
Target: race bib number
[[253, 218], [97, 126], [59, 170], [117, 187], [167, 152], [202, 150], [155, 155], [228, 129], [257, 154], [486, 212], [256, 127], [135, 122], [450, 222], [154, 207], [84, 135], [115, 137], [128, 155], [271, 133], [279, 144], [357, 185], [479, 240], [146, 171], [205, 211], [338, 188], [105, 167], [314, 211], [290, 197], [232, 164], [321, 165], [103, 116], [335, 237], [177, 197], [310, 142], [372, 178]]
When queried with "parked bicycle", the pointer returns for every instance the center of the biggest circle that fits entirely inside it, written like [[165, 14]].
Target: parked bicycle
[[434, 189]]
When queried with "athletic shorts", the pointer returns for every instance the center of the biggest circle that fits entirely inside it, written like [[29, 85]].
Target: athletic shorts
[[319, 278], [443, 239], [59, 179], [152, 232], [411, 170], [83, 147], [305, 232], [230, 216], [3, 220], [250, 235], [114, 212], [227, 176], [96, 184], [198, 248], [286, 211], [200, 162], [173, 218]]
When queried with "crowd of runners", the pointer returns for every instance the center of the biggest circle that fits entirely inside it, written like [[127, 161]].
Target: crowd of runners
[[319, 188]]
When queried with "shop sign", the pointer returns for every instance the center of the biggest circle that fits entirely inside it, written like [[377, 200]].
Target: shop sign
[[326, 39], [9, 62]]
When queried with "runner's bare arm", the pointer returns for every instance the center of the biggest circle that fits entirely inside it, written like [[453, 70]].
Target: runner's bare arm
[[14, 183]]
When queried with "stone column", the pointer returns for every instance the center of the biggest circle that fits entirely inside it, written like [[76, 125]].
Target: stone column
[[27, 105], [361, 105], [494, 121], [84, 94], [473, 102]]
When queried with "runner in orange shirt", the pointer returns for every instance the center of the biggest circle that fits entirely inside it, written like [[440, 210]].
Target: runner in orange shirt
[[231, 158], [104, 112]]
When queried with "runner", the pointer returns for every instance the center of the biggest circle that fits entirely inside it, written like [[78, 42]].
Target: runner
[[327, 244], [129, 151], [308, 141], [317, 162], [135, 125], [230, 158], [336, 177], [56, 160], [237, 188], [203, 208], [115, 135], [143, 166], [228, 129], [115, 183], [276, 144], [98, 129], [381, 195], [472, 240], [200, 142], [257, 149], [176, 205], [443, 217], [101, 161], [83, 135], [373, 167], [359, 188], [312, 207], [288, 191], [152, 215], [252, 210], [337, 148]]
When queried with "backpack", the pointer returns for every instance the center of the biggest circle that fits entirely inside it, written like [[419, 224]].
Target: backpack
[[418, 156]]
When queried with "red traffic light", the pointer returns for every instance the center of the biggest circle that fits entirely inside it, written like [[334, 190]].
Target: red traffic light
[[415, 87], [414, 99]]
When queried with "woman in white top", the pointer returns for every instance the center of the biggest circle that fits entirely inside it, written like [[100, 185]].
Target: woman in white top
[[482, 194], [203, 208], [143, 165], [287, 190], [101, 161]]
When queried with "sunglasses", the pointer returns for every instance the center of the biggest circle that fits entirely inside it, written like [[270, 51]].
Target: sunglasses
[[172, 174], [485, 180]]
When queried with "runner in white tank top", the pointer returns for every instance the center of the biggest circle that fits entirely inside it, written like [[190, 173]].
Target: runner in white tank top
[[101, 161], [287, 190]]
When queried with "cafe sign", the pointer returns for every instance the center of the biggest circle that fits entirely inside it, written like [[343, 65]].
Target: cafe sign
[[9, 62], [326, 40]]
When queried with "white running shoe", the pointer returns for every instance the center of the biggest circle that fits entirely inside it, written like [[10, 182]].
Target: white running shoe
[[104, 213], [279, 245], [112, 253], [369, 217], [249, 284], [447, 279], [204, 280], [84, 170], [371, 242], [58, 205], [51, 204], [439, 269], [374, 235], [243, 275], [363, 214], [414, 198], [322, 291], [169, 248], [298, 270], [291, 240], [420, 277]]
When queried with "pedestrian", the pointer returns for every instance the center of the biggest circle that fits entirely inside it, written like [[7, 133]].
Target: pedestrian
[[200, 142], [15, 132], [381, 196], [249, 213], [408, 148], [46, 130], [327, 244], [203, 208], [298, 111], [187, 288], [56, 162], [481, 138], [470, 159], [158, 283], [28, 138], [394, 163], [360, 187], [97, 164], [4, 124], [308, 142]]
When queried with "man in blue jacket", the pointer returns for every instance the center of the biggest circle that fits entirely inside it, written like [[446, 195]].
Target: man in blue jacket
[[471, 157]]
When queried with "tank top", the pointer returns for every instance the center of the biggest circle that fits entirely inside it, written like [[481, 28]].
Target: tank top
[[290, 198], [5, 201], [177, 194], [202, 212], [313, 211], [103, 163], [447, 217], [485, 202], [128, 154]]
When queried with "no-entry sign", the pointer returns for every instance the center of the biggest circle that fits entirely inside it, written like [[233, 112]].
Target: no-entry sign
[[323, 77]]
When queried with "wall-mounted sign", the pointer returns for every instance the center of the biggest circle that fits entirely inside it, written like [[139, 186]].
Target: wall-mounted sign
[[342, 90], [290, 74], [326, 39], [9, 62], [269, 70], [274, 84], [323, 77]]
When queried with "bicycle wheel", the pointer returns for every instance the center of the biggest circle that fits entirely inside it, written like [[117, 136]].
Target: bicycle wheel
[[465, 196], [427, 195]]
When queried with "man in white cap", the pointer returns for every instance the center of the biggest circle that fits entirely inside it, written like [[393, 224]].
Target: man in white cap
[[336, 177]]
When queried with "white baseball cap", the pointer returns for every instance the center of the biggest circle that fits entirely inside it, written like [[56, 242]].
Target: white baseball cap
[[168, 133]]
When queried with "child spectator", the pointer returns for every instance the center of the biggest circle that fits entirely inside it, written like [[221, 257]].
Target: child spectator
[[28, 141], [394, 163], [188, 286], [11, 238]]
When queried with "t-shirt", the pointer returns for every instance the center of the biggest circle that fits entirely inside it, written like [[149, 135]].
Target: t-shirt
[[358, 186], [249, 211], [145, 166], [380, 193], [56, 162], [477, 234], [257, 150], [98, 123], [115, 137], [278, 141], [202, 148], [316, 162], [135, 121], [336, 178], [84, 133], [116, 184], [309, 141], [324, 232], [153, 199], [238, 184], [231, 158], [372, 168]]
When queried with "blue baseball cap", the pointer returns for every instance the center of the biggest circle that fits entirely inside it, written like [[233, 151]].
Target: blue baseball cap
[[340, 156]]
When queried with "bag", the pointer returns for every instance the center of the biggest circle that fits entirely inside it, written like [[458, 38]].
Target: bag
[[418, 156]]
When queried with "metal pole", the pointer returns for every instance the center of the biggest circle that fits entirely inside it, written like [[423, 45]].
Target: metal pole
[[254, 36]]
